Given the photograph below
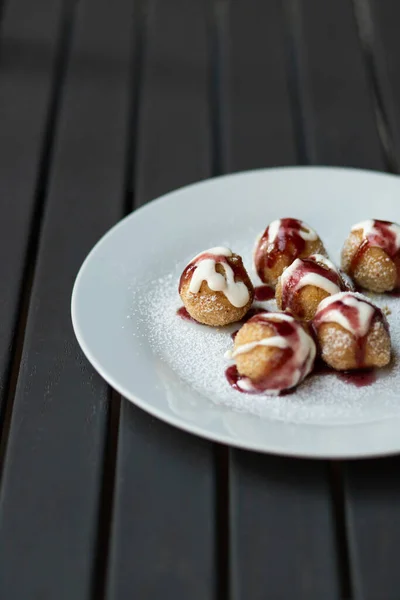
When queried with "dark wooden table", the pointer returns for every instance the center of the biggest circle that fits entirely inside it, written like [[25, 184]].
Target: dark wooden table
[[104, 105]]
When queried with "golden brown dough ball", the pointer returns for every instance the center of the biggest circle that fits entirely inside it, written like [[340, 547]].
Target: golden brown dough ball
[[273, 352], [281, 243], [371, 255], [305, 283], [257, 363], [352, 332], [215, 288]]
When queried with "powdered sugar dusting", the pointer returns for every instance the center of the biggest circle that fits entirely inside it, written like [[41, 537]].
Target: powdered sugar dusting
[[196, 354]]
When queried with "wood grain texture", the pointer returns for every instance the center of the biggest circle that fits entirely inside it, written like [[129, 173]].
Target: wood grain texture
[[164, 529], [336, 98], [29, 47], [372, 498], [256, 103], [281, 522], [174, 143], [281, 529], [163, 535], [378, 28], [372, 486], [50, 494]]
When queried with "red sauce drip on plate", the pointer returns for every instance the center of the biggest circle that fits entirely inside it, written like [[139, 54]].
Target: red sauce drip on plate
[[233, 377], [288, 242], [183, 314], [263, 293], [359, 378]]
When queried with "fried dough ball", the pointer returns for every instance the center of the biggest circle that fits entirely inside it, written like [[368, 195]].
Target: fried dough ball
[[215, 287], [371, 255], [352, 332], [273, 352], [305, 283], [281, 243]]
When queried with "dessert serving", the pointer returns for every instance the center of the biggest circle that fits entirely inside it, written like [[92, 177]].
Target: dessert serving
[[305, 283], [273, 353], [352, 332], [322, 316], [371, 255], [215, 287], [282, 242], [132, 317]]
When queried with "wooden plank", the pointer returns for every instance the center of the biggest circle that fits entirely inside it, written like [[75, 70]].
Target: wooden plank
[[174, 101], [372, 487], [259, 124], [337, 102], [282, 531], [29, 49], [163, 535], [163, 538], [50, 501], [372, 501], [377, 21]]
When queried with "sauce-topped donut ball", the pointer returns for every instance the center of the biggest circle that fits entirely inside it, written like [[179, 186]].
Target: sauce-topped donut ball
[[352, 332], [215, 287], [305, 283], [371, 255], [273, 352], [281, 243]]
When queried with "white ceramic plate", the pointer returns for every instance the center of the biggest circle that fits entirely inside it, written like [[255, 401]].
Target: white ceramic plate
[[125, 298]]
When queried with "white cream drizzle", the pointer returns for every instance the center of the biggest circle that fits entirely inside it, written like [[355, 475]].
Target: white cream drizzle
[[276, 341], [323, 260], [319, 281], [305, 232], [235, 291], [217, 251], [312, 278], [266, 316], [365, 226], [246, 385], [368, 228], [335, 315], [273, 229]]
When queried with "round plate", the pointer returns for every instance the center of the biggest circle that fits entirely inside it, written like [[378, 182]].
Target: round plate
[[124, 314]]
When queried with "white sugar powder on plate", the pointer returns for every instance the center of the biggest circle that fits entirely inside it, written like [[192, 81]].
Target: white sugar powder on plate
[[196, 354]]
